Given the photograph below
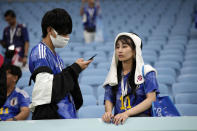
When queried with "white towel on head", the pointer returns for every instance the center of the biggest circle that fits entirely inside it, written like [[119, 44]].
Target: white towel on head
[[112, 78]]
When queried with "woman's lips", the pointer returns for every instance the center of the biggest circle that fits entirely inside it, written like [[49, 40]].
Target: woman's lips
[[120, 56]]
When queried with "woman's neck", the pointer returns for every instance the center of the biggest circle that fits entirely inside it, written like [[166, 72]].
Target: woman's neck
[[127, 66]]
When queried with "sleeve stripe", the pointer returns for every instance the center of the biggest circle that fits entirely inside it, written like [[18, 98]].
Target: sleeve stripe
[[42, 51], [39, 51]]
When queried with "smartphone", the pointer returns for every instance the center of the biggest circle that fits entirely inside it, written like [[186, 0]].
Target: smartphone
[[92, 57]]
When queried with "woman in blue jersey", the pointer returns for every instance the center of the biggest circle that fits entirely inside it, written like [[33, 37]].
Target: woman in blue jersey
[[131, 86]]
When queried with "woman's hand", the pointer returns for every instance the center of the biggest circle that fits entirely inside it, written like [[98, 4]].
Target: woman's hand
[[83, 64], [120, 118], [107, 117]]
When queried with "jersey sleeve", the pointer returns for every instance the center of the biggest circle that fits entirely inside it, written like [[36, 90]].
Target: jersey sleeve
[[151, 83], [24, 99], [38, 58], [109, 94], [25, 34]]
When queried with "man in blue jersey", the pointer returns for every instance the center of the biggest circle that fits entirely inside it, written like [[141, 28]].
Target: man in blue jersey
[[56, 93], [15, 34], [16, 105], [89, 15]]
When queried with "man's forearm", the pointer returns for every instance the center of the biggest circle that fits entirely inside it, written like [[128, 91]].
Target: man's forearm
[[23, 114]]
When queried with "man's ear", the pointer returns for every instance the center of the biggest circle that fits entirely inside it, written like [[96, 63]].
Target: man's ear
[[51, 32], [49, 29]]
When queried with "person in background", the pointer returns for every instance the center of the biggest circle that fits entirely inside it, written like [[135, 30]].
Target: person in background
[[89, 15], [131, 86], [16, 106], [15, 35]]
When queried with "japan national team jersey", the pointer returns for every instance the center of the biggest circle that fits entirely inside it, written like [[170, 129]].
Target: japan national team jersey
[[41, 55], [18, 39], [17, 99], [89, 20], [150, 85]]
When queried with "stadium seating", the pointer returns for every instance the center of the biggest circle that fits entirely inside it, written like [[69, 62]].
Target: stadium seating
[[89, 100], [186, 98], [91, 111], [187, 109], [168, 35]]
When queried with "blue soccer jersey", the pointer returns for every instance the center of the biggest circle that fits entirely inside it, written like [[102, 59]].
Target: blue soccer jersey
[[90, 14], [17, 99], [19, 38], [41, 55], [150, 86]]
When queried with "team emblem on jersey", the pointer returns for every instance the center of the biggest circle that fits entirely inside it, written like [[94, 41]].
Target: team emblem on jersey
[[18, 32], [14, 101], [139, 77]]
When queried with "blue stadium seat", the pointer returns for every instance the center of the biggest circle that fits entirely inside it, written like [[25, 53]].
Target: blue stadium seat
[[163, 89], [171, 57], [173, 64], [101, 100], [184, 87], [166, 79], [186, 98], [189, 70], [171, 51], [153, 47], [91, 111], [92, 80], [70, 54], [166, 71], [187, 109], [187, 78], [83, 49], [95, 72], [23, 82], [105, 65], [190, 63], [86, 90], [106, 48], [100, 90], [90, 53], [191, 57], [148, 52], [149, 59], [89, 100]]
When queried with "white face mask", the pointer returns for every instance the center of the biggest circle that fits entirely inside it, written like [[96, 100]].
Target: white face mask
[[59, 41]]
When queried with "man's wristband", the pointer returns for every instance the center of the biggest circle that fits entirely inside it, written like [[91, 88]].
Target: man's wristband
[[25, 56]]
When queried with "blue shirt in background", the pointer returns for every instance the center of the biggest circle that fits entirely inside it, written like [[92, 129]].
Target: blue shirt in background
[[17, 99], [90, 22], [19, 38]]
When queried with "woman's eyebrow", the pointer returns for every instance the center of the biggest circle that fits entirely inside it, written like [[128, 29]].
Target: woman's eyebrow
[[124, 44]]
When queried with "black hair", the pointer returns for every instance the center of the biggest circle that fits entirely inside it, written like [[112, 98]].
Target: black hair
[[10, 13], [14, 70], [131, 81], [58, 19]]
